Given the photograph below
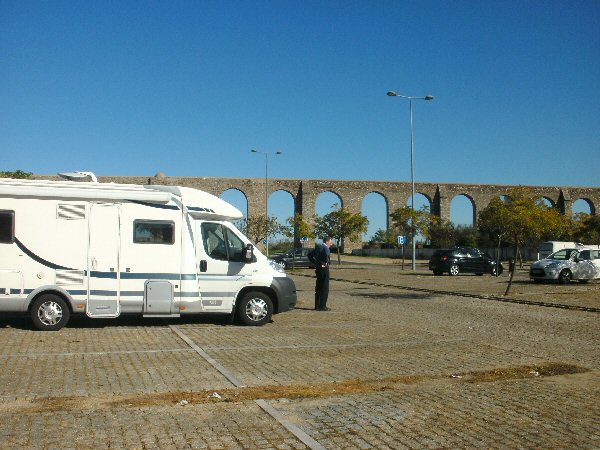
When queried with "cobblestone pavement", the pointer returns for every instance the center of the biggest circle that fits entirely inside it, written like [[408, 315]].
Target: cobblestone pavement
[[574, 294], [386, 368]]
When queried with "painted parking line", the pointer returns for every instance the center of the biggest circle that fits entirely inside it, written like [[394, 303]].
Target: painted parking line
[[263, 404]]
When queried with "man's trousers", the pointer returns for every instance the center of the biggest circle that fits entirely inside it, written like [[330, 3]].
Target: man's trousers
[[321, 288]]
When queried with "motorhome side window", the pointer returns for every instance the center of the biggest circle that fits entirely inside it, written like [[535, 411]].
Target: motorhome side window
[[7, 227], [153, 232], [221, 243]]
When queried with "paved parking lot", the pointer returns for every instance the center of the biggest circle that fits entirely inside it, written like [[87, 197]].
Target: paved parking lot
[[401, 361]]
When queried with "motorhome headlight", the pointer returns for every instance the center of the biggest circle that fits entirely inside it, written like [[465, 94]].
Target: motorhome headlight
[[276, 266]]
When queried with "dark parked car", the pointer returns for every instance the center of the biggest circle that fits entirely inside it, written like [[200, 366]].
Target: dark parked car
[[463, 259], [300, 259]]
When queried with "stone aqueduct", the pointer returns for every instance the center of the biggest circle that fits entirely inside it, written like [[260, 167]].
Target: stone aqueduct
[[352, 193]]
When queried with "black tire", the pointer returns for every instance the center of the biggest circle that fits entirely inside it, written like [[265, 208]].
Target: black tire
[[565, 276], [454, 270], [584, 281], [49, 312], [495, 269], [255, 309], [284, 264]]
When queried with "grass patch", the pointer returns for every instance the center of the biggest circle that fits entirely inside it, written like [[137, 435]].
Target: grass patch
[[296, 391]]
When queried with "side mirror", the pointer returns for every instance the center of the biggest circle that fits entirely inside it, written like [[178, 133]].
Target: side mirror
[[249, 253]]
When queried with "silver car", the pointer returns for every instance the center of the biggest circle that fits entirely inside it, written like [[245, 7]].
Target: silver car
[[566, 265]]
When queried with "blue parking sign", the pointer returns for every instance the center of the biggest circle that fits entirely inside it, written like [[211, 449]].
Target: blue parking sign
[[401, 240]]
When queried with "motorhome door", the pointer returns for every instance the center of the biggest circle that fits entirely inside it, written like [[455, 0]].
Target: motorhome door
[[222, 270], [103, 261]]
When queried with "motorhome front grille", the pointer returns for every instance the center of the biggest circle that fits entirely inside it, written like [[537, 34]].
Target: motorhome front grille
[[70, 212], [69, 277]]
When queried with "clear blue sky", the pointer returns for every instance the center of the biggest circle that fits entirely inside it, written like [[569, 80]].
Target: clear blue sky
[[189, 87]]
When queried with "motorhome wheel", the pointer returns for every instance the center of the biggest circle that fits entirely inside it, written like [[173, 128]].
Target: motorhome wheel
[[255, 309], [49, 312]]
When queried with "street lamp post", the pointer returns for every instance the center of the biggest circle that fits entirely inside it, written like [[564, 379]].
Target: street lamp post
[[412, 163], [267, 190]]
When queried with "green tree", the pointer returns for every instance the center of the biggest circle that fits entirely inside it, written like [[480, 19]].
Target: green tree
[[558, 227], [466, 236], [411, 222], [259, 227], [384, 238], [340, 224], [297, 228], [16, 174], [587, 228], [520, 218], [441, 233]]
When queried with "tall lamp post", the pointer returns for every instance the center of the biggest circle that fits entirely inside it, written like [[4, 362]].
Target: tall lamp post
[[267, 189], [412, 162]]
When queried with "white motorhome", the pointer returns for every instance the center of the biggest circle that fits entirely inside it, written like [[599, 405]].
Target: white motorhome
[[105, 249]]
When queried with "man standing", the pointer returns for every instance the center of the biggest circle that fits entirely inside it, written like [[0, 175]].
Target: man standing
[[321, 260]]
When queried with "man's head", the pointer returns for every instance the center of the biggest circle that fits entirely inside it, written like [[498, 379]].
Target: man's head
[[328, 241]]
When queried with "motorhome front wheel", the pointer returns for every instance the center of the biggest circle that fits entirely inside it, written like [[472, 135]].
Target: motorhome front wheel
[[255, 309]]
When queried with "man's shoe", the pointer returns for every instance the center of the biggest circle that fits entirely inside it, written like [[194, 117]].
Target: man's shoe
[[325, 309]]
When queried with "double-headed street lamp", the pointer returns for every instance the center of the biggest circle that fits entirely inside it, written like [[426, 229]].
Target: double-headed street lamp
[[267, 189], [412, 162]]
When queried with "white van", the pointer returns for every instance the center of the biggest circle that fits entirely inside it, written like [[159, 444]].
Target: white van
[[105, 249], [547, 248], [568, 264]]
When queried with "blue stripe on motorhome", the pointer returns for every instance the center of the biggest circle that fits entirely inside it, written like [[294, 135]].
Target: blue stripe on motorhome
[[96, 274], [104, 293], [157, 276], [201, 209], [144, 276], [77, 292], [220, 277], [141, 294], [137, 294], [38, 258], [190, 208], [187, 294], [154, 205]]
